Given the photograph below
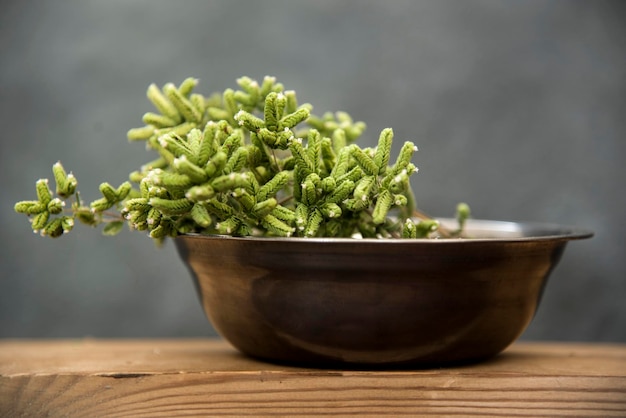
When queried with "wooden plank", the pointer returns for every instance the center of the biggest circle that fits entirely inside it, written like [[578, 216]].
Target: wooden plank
[[141, 378]]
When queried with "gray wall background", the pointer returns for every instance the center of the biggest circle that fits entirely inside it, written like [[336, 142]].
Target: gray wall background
[[518, 108]]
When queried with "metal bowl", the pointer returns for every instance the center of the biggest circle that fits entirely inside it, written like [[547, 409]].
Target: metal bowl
[[329, 301]]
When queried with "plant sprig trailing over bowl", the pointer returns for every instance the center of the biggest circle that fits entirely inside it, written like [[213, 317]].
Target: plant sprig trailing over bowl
[[247, 162]]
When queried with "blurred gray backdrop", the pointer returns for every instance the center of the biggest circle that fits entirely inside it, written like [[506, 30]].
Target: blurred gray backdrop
[[518, 108]]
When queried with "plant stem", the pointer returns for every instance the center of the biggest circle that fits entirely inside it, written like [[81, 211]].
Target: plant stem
[[444, 232]]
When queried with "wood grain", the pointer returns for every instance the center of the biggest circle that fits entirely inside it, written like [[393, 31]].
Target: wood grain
[[169, 378]]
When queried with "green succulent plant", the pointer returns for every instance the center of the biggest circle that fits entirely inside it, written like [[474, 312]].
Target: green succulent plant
[[245, 162]]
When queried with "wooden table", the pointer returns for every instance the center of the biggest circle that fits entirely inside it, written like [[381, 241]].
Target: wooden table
[[139, 378]]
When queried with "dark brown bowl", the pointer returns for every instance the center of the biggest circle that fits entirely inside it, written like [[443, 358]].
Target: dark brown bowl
[[376, 302]]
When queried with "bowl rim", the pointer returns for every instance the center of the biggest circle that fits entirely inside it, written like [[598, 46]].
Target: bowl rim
[[531, 232]]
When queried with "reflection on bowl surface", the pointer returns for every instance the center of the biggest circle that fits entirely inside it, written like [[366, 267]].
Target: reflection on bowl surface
[[368, 302]]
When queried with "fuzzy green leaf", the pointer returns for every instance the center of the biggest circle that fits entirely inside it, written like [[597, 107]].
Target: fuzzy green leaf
[[364, 187], [171, 180], [30, 207], [400, 200], [409, 230], [365, 161], [270, 111], [158, 121], [40, 220], [67, 223], [171, 207], [100, 205], [292, 119], [342, 164], [426, 227], [301, 157], [123, 191], [140, 204], [338, 140], [331, 210], [43, 191], [109, 192], [66, 183], [284, 214], [54, 229], [141, 134], [162, 104], [404, 158], [383, 204], [188, 168], [200, 193], [207, 146], [113, 228], [463, 213], [302, 216], [328, 184], [216, 163], [200, 215], [278, 182], [230, 181], [55, 206], [165, 229], [341, 192], [383, 150], [292, 101], [187, 86], [228, 226], [276, 226], [197, 100], [230, 104], [313, 223], [264, 207], [182, 104], [237, 161], [220, 209], [309, 192], [176, 145]]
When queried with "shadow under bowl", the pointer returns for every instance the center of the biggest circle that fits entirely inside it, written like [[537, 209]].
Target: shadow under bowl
[[368, 302]]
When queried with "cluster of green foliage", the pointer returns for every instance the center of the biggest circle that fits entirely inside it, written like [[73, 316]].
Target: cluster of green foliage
[[250, 161]]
